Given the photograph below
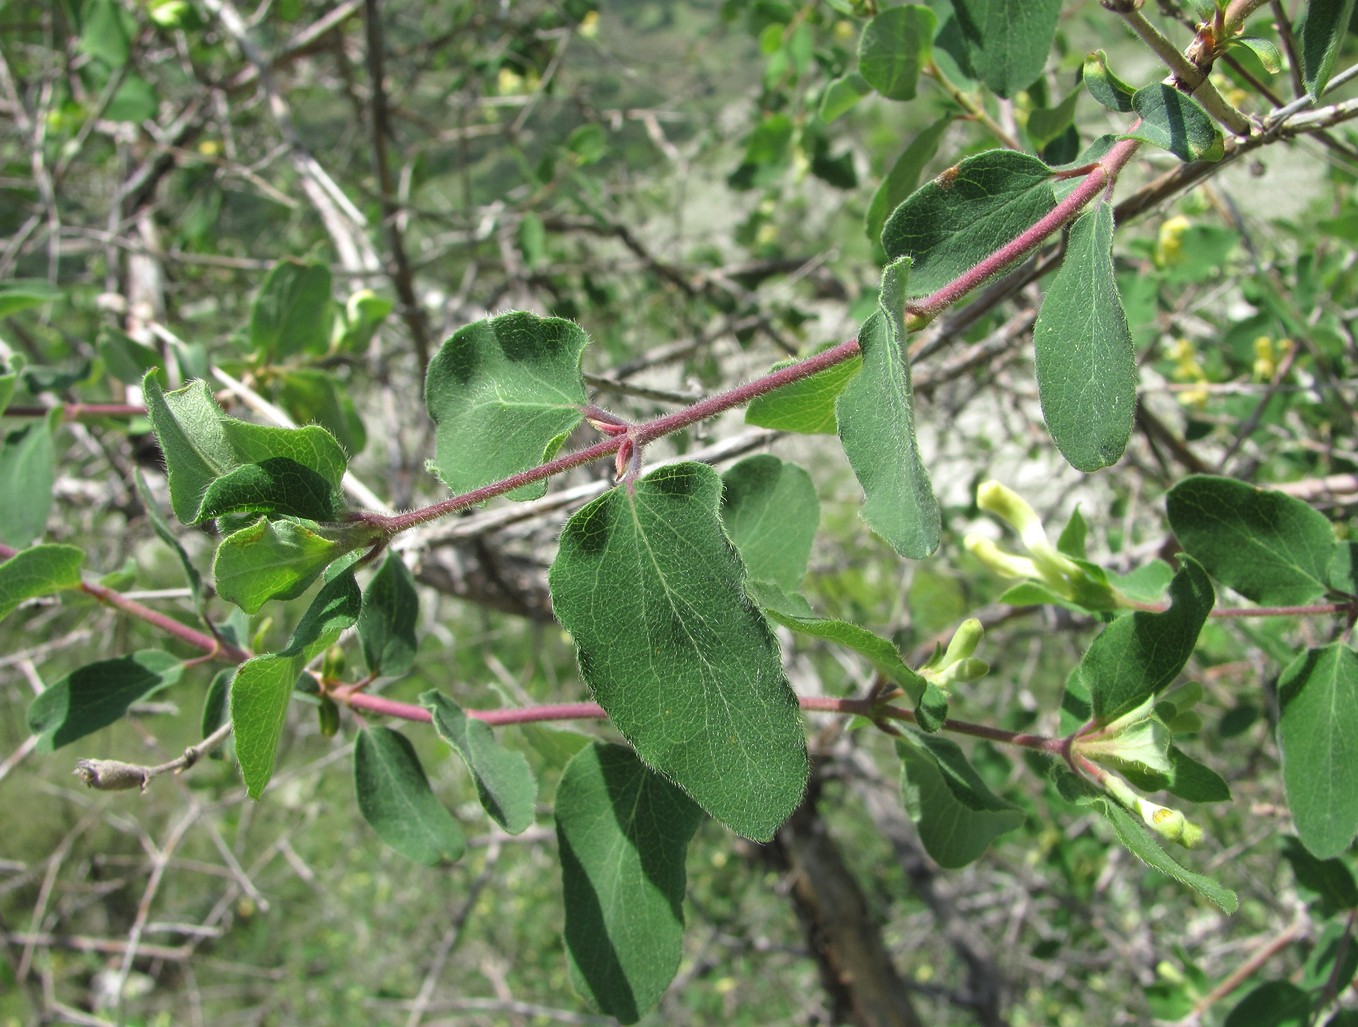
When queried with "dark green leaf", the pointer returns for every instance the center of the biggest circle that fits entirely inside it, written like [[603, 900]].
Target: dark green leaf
[[97, 695], [27, 474], [1176, 122], [216, 706], [292, 313], [505, 393], [386, 627], [1073, 536], [1272, 1004], [1007, 42], [1342, 573], [1330, 880], [965, 214], [957, 815], [1194, 781], [318, 397], [877, 429], [279, 487], [903, 178], [1320, 33], [770, 510], [806, 406], [623, 833], [1318, 741], [272, 560], [1267, 546], [1106, 87], [1139, 655], [1045, 124], [688, 670], [894, 48], [504, 781], [1086, 363], [334, 610], [395, 798], [39, 571]]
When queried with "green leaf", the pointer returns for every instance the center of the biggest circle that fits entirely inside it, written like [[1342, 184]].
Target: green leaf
[[1268, 546], [1194, 781], [623, 833], [957, 815], [806, 406], [1320, 33], [9, 379], [1106, 87], [97, 695], [19, 294], [312, 396], [1265, 50], [877, 430], [1047, 123], [334, 610], [386, 627], [292, 313], [1331, 881], [842, 95], [505, 393], [202, 444], [1176, 122], [770, 510], [166, 535], [272, 560], [1141, 844], [39, 571], [903, 178], [126, 359], [687, 669], [278, 486], [1139, 655], [1086, 363], [1007, 42], [1318, 742], [967, 213], [27, 474], [893, 49], [259, 705], [1272, 1004], [395, 798], [504, 781], [104, 32], [1342, 572]]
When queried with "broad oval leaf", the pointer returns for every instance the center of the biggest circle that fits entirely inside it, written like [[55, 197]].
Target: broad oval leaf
[[1268, 546], [504, 781], [965, 214], [1086, 363], [894, 48], [1176, 122], [97, 695], [623, 832], [293, 312], [386, 627], [687, 669], [1007, 41], [877, 429], [770, 510], [505, 393], [956, 814], [395, 798], [38, 571], [1318, 741], [272, 560], [1140, 654]]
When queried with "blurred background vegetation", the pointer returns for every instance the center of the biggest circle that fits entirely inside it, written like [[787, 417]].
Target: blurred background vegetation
[[668, 175]]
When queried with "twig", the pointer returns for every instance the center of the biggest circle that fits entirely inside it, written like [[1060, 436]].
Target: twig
[[114, 775]]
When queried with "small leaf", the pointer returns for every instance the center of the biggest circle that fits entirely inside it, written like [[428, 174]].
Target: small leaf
[[259, 705], [877, 430], [1268, 546], [1318, 741], [202, 444], [505, 393], [27, 475], [272, 560], [1272, 1004], [278, 487], [1047, 123], [1331, 881], [292, 313], [1194, 781], [903, 178], [685, 666], [965, 214], [623, 833], [1086, 363], [1320, 33], [1106, 87], [97, 695], [1007, 42], [1176, 122], [894, 48], [333, 611], [504, 781], [104, 32], [842, 95], [1265, 50], [39, 571], [318, 397], [395, 798], [1139, 655], [957, 815], [806, 406], [770, 511], [386, 627], [162, 530]]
